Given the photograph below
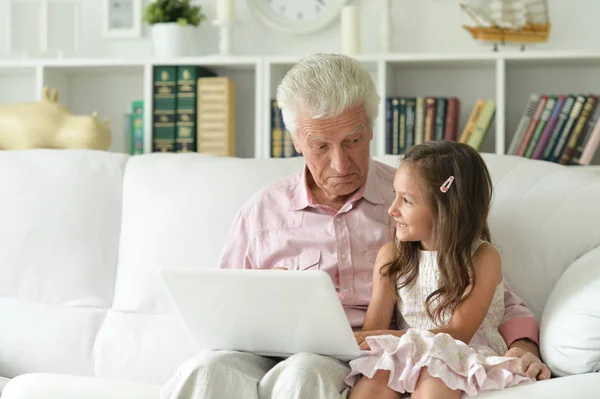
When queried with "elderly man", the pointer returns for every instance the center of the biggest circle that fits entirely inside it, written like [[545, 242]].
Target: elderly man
[[331, 216]]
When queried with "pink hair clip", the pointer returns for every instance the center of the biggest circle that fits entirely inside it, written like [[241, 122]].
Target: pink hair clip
[[444, 187]]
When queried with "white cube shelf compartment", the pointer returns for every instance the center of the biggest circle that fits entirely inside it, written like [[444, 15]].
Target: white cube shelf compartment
[[107, 89], [561, 74], [246, 72], [468, 78]]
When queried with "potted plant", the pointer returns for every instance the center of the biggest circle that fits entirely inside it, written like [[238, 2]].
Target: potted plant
[[173, 23]]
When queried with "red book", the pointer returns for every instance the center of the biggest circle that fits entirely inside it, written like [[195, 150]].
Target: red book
[[452, 119]]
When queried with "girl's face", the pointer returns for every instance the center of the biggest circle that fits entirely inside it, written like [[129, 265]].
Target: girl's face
[[410, 210]]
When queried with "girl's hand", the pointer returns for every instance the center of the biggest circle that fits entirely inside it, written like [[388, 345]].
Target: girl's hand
[[361, 337]]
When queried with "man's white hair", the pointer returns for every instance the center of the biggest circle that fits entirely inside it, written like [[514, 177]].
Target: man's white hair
[[325, 86]]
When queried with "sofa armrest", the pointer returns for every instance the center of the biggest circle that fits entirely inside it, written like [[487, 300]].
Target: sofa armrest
[[570, 325], [58, 386]]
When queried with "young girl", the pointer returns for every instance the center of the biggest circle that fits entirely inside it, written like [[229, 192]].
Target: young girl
[[446, 280]]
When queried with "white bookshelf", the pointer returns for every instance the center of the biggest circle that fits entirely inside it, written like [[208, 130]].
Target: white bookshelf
[[110, 85]]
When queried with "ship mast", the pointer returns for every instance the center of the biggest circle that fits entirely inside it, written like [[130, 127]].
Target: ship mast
[[479, 11]]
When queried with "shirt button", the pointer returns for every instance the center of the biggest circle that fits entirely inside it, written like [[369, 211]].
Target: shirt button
[[344, 257]]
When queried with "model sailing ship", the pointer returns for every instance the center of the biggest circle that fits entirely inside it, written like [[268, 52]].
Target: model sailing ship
[[508, 21]]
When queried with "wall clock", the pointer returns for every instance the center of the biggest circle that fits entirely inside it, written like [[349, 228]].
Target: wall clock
[[296, 16]]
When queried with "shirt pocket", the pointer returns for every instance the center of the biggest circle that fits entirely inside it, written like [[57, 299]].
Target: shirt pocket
[[308, 259]]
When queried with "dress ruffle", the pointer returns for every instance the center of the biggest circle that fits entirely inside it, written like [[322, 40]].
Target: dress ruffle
[[470, 369]]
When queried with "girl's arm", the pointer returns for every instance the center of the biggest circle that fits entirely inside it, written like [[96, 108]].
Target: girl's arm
[[381, 306], [467, 318]]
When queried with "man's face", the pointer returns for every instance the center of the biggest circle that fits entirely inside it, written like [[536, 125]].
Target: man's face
[[336, 151]]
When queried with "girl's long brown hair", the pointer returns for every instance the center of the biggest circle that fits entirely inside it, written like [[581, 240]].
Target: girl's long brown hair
[[459, 220]]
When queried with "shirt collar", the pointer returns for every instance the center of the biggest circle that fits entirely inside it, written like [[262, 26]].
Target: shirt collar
[[369, 190]]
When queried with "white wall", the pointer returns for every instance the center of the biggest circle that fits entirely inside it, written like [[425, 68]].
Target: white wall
[[419, 26]]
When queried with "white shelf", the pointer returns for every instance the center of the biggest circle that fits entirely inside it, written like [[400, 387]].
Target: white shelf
[[109, 85]]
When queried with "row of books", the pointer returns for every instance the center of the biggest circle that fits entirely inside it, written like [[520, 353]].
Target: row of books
[[562, 128], [194, 111], [413, 120]]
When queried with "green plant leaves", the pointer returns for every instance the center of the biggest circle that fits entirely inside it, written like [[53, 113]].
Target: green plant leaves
[[179, 11]]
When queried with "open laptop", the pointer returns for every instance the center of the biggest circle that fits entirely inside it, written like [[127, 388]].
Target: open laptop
[[267, 312]]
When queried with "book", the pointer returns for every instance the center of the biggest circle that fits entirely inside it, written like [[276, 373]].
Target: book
[[409, 122], [430, 109], [592, 146], [388, 126], [216, 130], [420, 120], [137, 127], [395, 125], [441, 104], [402, 125], [277, 129], [451, 123], [472, 121], [483, 124], [164, 108]]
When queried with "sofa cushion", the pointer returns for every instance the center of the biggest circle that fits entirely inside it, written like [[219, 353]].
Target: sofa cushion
[[570, 327], [60, 217]]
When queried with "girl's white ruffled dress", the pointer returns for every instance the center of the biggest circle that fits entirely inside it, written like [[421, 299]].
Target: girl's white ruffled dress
[[470, 368]]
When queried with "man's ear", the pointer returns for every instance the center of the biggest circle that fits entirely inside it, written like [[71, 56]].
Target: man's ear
[[296, 143]]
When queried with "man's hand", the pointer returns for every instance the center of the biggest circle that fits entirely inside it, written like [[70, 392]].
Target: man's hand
[[528, 352], [279, 268]]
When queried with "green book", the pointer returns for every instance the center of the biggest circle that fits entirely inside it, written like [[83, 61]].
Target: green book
[[441, 106], [164, 106], [137, 127]]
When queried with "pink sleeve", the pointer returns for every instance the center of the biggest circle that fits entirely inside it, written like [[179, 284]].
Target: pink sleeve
[[518, 321], [235, 251]]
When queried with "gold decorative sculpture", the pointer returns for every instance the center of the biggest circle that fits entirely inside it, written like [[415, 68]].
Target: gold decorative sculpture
[[48, 124], [508, 21]]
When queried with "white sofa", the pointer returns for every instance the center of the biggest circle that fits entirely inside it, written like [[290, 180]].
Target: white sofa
[[82, 234]]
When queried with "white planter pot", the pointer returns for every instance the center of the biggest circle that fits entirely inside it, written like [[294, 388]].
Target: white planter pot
[[172, 40]]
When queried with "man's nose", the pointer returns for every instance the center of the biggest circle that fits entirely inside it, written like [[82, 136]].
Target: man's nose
[[340, 161]]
